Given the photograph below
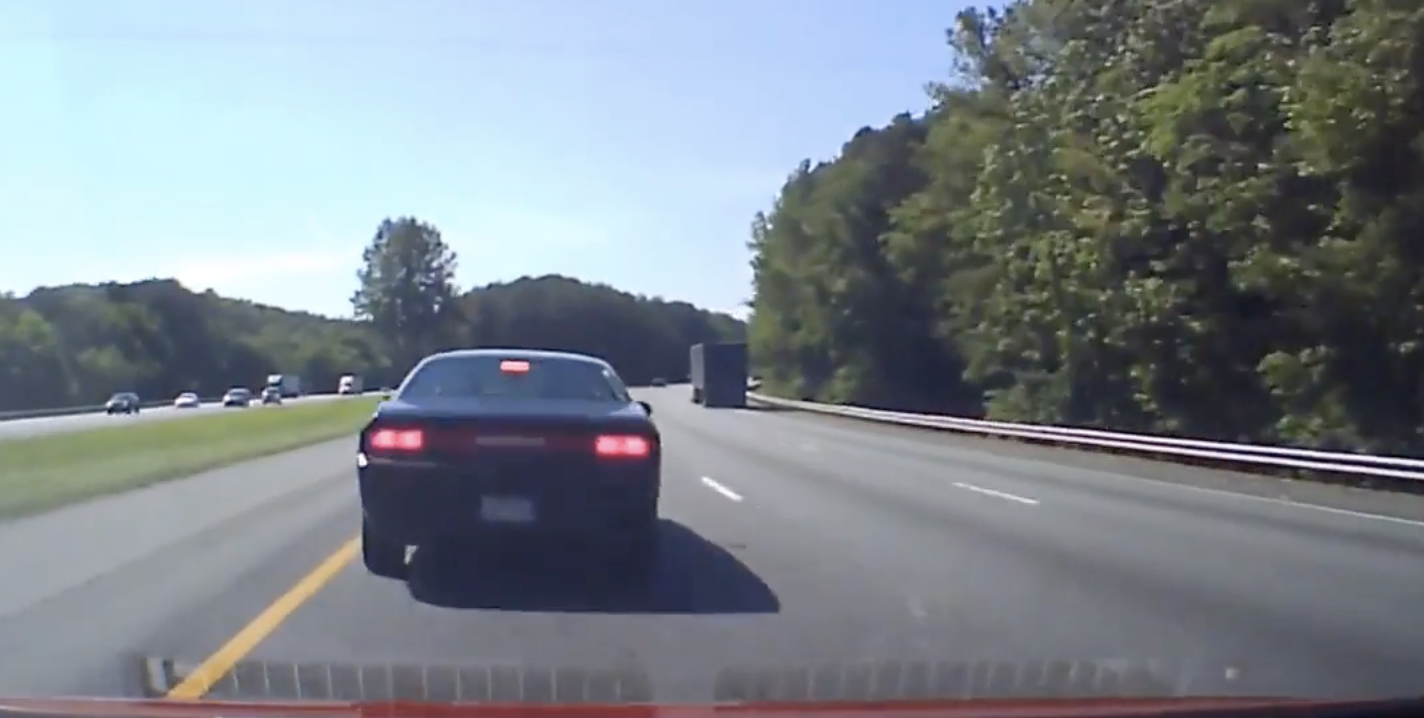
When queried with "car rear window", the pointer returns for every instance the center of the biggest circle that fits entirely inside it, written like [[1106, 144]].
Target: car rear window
[[483, 377]]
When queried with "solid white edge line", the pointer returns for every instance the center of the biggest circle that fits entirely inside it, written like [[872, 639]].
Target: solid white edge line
[[709, 483], [1224, 493], [1270, 499], [996, 494]]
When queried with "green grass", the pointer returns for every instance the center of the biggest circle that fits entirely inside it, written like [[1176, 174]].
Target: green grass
[[48, 471]]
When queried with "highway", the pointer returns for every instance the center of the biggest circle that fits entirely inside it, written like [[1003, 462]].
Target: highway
[[805, 556], [44, 425]]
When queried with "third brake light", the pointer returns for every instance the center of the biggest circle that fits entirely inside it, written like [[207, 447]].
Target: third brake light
[[514, 366]]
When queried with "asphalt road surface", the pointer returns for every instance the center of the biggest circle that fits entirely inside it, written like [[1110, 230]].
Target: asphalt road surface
[[805, 557], [43, 425]]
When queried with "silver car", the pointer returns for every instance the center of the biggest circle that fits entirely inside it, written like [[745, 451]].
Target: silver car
[[237, 396]]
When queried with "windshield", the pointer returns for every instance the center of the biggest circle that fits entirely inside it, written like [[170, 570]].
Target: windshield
[[490, 377], [881, 351]]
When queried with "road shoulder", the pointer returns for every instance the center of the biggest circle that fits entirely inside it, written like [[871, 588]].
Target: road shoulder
[[44, 555]]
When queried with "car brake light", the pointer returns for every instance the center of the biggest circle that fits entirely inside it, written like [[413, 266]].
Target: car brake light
[[397, 440], [510, 366], [622, 446]]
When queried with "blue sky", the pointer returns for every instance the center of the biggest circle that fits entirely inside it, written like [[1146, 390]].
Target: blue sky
[[252, 146]]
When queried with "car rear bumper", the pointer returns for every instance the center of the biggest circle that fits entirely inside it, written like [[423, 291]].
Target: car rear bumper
[[420, 504]]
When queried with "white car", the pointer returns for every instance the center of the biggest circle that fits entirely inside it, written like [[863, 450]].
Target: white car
[[187, 400]]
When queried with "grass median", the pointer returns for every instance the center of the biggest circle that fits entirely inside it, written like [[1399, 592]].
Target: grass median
[[51, 470]]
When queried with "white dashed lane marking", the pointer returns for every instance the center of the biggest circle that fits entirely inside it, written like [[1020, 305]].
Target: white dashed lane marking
[[996, 494], [730, 494]]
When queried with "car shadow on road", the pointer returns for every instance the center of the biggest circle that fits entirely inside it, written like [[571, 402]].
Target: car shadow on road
[[693, 575]]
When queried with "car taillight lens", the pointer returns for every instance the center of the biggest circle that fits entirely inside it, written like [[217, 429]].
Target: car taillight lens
[[397, 440], [618, 446]]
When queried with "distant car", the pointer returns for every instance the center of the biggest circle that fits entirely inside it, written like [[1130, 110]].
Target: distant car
[[660, 382], [271, 395], [349, 385], [237, 396], [487, 445], [187, 400], [124, 402]]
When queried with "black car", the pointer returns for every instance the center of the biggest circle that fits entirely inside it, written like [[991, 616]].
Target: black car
[[124, 402], [498, 444]]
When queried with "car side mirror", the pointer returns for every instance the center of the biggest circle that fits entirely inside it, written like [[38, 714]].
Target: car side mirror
[[646, 407]]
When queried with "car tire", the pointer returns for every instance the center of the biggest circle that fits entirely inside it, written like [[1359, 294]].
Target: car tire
[[383, 558]]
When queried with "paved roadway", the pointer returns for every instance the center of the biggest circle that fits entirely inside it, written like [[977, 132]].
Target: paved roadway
[[888, 560], [43, 425]]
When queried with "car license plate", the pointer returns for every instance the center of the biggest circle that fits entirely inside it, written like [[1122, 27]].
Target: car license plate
[[504, 509]]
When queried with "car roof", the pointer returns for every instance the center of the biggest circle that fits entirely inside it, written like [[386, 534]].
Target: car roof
[[516, 353]]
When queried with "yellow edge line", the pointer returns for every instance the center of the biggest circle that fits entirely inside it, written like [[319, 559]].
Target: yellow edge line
[[210, 671]]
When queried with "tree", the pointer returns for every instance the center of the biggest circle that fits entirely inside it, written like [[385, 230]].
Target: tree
[[1189, 216], [75, 345], [642, 338], [407, 288], [30, 366]]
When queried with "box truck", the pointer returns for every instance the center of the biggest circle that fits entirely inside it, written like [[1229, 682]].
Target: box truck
[[350, 384], [288, 385], [719, 374]]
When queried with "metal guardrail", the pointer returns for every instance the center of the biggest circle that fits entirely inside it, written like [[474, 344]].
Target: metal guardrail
[[97, 408], [1389, 467], [74, 410]]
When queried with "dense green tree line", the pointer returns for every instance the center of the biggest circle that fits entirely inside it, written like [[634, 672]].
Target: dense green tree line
[[1199, 217], [407, 297], [76, 345]]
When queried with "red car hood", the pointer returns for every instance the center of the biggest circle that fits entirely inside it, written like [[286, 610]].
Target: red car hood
[[1074, 708]]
